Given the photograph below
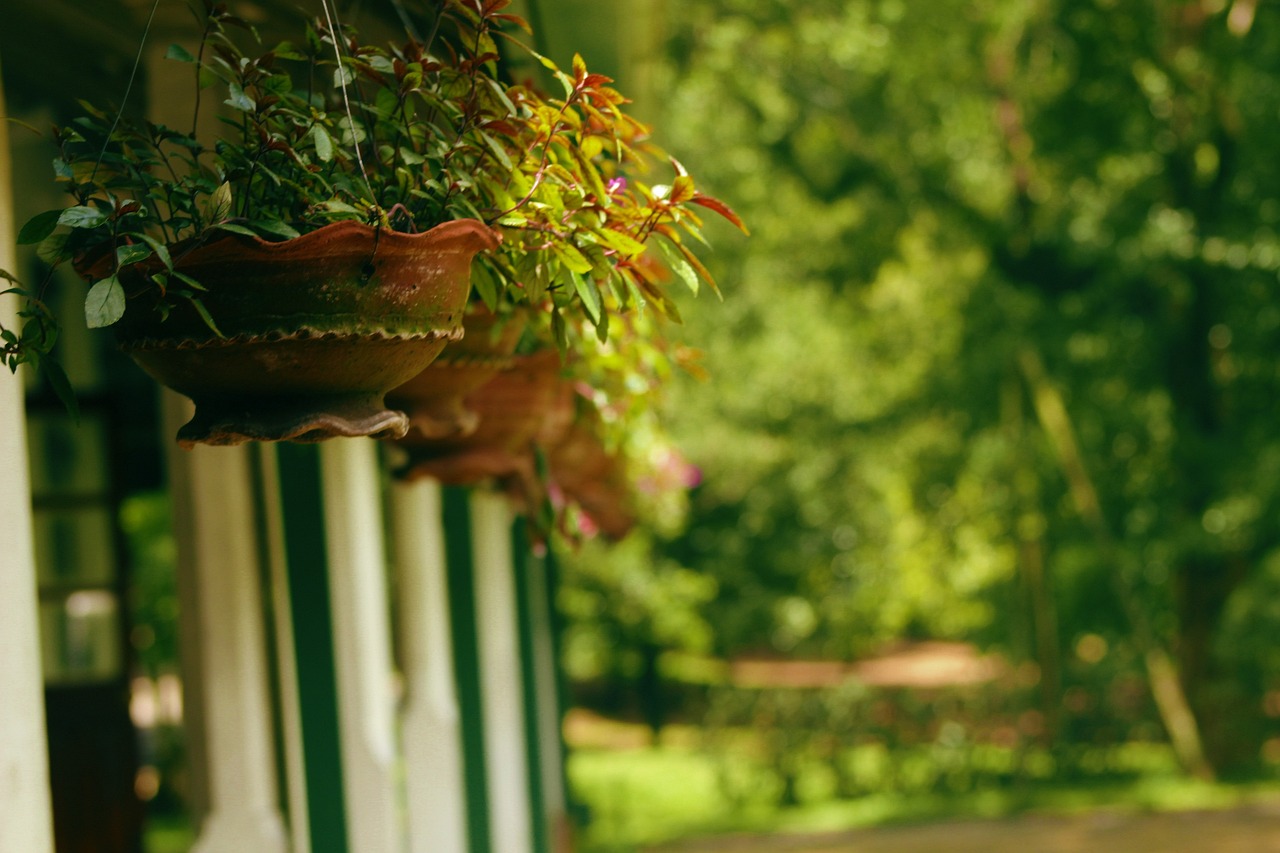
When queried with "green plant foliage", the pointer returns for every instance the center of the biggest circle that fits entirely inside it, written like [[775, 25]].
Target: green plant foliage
[[401, 136]]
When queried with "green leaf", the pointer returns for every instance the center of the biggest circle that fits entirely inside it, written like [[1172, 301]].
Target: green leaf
[[132, 253], [81, 216], [273, 228], [624, 244], [589, 293], [342, 76], [385, 103], [161, 250], [324, 143], [498, 151], [286, 50], [180, 53], [206, 316], [189, 281], [678, 264], [486, 285], [38, 227], [51, 248], [571, 257], [239, 100], [235, 228], [61, 386], [352, 132], [559, 331], [218, 205], [335, 206], [105, 303]]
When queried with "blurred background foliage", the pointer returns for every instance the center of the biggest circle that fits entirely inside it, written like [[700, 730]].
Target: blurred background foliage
[[998, 364]]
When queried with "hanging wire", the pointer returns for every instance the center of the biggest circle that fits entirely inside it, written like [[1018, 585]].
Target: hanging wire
[[409, 26], [331, 17], [133, 74]]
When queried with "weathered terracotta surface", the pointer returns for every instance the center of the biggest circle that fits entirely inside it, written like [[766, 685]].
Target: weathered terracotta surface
[[435, 399], [317, 329], [594, 478], [511, 407]]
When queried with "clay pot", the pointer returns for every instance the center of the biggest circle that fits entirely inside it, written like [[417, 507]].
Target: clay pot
[[435, 399], [316, 329], [511, 407], [593, 478]]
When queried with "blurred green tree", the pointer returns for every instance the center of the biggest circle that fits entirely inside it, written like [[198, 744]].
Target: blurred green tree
[[999, 359]]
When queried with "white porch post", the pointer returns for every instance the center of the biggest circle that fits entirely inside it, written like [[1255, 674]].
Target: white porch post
[[545, 689], [226, 680], [294, 757], [499, 640], [24, 753], [362, 643], [431, 723]]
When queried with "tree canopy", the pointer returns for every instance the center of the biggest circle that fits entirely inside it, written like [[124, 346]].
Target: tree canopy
[[998, 361]]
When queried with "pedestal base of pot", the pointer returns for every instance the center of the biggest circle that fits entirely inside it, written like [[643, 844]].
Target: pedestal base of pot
[[233, 420], [301, 389], [441, 414]]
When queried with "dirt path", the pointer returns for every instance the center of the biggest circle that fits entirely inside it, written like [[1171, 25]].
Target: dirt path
[[1254, 829]]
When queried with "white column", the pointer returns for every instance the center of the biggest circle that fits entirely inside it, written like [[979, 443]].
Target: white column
[[27, 824], [362, 642], [500, 678], [294, 759], [226, 682], [546, 691], [431, 724]]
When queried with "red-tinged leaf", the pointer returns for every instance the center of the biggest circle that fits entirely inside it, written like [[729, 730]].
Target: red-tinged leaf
[[514, 20], [702, 270], [579, 69], [721, 208], [667, 231], [682, 190]]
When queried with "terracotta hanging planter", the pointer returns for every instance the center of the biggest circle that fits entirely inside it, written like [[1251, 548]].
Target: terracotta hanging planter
[[315, 329], [435, 399], [595, 479], [511, 408]]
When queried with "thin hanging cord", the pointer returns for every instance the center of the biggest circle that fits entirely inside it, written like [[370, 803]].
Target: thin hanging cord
[[331, 17], [137, 61], [409, 26]]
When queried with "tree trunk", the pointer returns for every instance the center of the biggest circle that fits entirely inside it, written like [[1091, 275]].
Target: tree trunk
[[1230, 722], [1162, 673]]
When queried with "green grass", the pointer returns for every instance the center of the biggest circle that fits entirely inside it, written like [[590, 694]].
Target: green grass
[[641, 797], [168, 835]]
